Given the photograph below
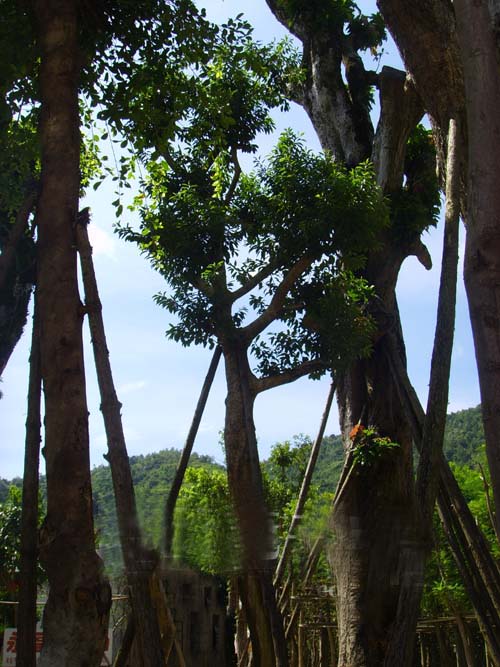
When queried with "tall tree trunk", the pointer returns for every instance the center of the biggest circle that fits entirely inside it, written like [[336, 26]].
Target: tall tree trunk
[[245, 483], [476, 565], [140, 564], [377, 555], [76, 613], [481, 62], [437, 401], [26, 619]]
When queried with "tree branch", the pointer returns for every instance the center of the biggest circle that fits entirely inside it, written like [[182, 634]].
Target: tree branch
[[435, 418], [236, 176], [294, 25], [174, 166], [17, 231], [269, 315], [305, 368], [252, 282]]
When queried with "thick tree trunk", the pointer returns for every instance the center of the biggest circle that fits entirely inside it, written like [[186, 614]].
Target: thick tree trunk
[[76, 613], [26, 619], [245, 484], [377, 555], [426, 37], [481, 62]]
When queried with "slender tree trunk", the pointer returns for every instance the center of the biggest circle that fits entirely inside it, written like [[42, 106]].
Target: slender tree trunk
[[477, 568], [186, 452], [245, 484], [76, 613], [437, 402], [140, 564], [26, 619], [481, 62]]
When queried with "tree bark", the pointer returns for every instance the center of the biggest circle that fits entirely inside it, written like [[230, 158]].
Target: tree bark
[[26, 619], [481, 61], [76, 613], [377, 555], [245, 484]]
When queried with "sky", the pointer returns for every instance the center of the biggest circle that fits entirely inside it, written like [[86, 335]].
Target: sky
[[158, 381]]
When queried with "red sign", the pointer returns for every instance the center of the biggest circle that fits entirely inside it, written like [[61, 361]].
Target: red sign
[[10, 647]]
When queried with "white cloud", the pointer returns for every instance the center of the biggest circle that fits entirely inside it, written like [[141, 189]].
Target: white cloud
[[102, 242], [129, 387]]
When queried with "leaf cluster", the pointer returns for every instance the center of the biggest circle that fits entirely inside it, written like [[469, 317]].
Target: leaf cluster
[[297, 204], [206, 535], [369, 446]]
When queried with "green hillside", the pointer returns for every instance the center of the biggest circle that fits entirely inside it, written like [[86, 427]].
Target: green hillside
[[153, 474], [464, 435]]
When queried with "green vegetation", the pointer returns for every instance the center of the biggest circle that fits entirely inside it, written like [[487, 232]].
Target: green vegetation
[[152, 475], [10, 542], [463, 436], [205, 487]]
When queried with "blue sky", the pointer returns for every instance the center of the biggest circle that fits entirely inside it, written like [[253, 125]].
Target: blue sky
[[158, 381]]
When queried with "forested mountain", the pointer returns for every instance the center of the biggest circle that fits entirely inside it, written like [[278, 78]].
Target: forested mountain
[[464, 435], [153, 474]]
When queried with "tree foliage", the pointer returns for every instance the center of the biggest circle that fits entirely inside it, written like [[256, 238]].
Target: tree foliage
[[10, 544]]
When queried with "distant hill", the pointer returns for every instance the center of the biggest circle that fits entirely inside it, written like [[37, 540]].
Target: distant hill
[[153, 474], [463, 436]]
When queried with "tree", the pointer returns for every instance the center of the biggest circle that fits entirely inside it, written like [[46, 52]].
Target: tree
[[478, 37], [378, 553], [288, 217], [455, 36], [75, 617]]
